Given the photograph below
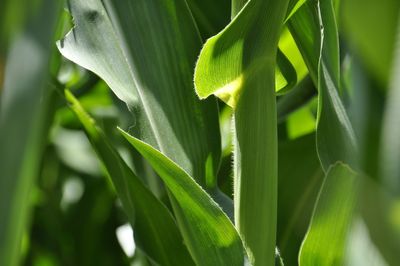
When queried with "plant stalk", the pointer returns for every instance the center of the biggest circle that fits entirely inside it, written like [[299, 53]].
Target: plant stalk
[[256, 171], [255, 145]]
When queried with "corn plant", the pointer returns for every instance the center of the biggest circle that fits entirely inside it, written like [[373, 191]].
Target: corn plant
[[259, 132]]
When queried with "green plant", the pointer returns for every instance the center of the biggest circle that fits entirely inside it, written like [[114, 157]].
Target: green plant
[[294, 92]]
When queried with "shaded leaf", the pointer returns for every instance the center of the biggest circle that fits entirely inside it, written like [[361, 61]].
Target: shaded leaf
[[211, 16], [314, 28], [155, 230], [145, 51], [300, 179]]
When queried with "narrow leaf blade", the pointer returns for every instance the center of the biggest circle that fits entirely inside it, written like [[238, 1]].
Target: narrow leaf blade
[[155, 229], [210, 235], [314, 28]]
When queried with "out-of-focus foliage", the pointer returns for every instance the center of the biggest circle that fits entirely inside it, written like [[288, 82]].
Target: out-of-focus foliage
[[295, 162]]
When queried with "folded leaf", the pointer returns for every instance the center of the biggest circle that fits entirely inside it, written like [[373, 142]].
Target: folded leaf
[[238, 52], [155, 230], [314, 29], [209, 234], [325, 242]]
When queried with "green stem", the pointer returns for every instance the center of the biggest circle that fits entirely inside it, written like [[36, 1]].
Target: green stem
[[256, 170], [255, 140]]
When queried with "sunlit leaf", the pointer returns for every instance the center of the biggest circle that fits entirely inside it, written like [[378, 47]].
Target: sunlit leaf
[[213, 240], [237, 53], [238, 65], [325, 242]]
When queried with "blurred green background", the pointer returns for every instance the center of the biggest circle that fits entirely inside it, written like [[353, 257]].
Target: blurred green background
[[69, 214]]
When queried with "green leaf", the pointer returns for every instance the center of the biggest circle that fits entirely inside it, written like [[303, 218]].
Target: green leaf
[[210, 20], [155, 229], [298, 188], [228, 53], [314, 28], [289, 70], [285, 74], [26, 108], [294, 5], [210, 236], [238, 65], [145, 51], [296, 68], [325, 242]]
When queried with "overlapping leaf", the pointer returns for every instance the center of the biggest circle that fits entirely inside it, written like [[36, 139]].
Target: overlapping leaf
[[155, 229], [314, 29], [228, 54], [145, 50], [213, 238], [238, 65]]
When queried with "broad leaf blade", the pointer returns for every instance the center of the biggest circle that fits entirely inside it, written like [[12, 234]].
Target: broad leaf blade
[[155, 229], [213, 238], [145, 50], [325, 242]]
